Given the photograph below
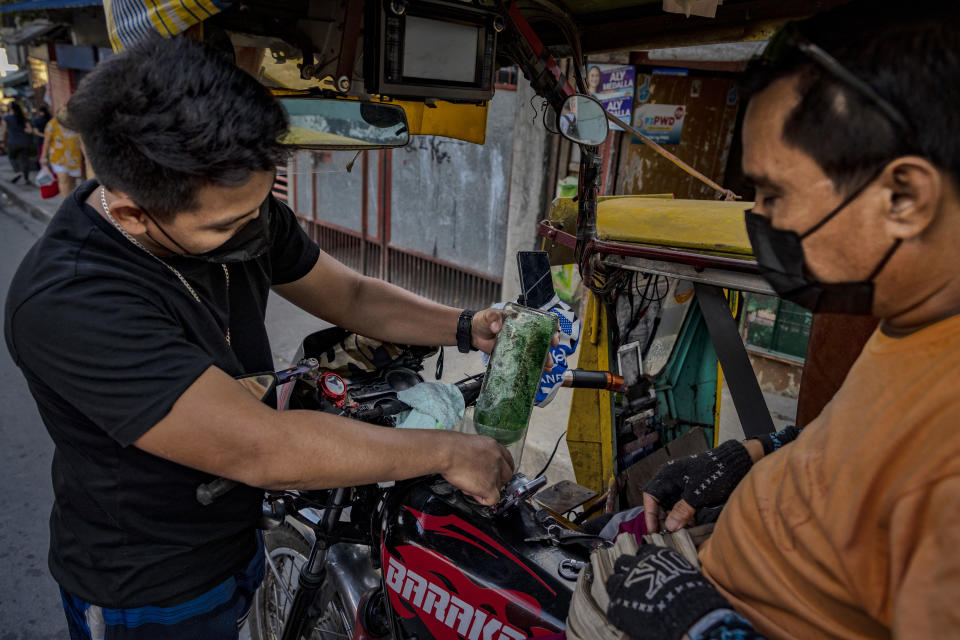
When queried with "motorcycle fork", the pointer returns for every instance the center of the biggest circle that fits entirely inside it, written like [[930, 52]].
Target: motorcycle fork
[[313, 572]]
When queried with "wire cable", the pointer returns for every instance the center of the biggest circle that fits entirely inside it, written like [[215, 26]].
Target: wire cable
[[550, 459]]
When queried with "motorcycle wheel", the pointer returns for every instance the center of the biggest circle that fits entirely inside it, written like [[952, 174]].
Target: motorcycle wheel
[[288, 551]]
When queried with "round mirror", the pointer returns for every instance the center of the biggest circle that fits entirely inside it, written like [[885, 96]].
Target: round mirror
[[550, 118], [583, 120]]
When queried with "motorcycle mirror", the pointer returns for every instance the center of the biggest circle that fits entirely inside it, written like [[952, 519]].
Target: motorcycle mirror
[[324, 123], [583, 120], [259, 384], [550, 118]]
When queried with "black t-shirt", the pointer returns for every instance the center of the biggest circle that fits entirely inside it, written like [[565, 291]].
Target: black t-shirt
[[108, 338]]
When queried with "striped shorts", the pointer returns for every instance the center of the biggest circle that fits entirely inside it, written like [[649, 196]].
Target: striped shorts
[[217, 614]]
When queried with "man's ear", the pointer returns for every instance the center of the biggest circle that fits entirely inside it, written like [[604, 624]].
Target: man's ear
[[127, 214], [915, 192]]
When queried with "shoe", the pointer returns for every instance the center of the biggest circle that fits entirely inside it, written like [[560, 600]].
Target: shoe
[[15, 178]]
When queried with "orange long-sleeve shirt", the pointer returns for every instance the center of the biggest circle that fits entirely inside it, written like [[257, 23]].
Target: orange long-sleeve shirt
[[853, 530]]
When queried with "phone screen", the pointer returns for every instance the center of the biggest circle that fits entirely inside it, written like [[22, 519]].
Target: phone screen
[[536, 279]]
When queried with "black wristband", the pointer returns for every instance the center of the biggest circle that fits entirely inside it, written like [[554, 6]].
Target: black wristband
[[773, 441], [465, 331]]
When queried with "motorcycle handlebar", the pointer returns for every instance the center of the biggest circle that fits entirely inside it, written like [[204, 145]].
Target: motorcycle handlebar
[[469, 387]]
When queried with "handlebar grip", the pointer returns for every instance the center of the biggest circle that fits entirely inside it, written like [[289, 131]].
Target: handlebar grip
[[583, 379], [207, 493], [470, 389], [381, 409]]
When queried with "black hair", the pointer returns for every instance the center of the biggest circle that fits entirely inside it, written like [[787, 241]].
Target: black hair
[[18, 113], [170, 116], [909, 55]]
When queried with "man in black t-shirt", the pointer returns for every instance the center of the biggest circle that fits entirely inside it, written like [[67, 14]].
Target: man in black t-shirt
[[134, 312]]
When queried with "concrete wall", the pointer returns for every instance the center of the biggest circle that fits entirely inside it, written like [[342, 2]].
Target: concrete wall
[[449, 198], [528, 195], [776, 375], [468, 205], [338, 193]]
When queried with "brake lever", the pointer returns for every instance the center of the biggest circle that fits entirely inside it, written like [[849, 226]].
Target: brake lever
[[560, 536], [516, 491]]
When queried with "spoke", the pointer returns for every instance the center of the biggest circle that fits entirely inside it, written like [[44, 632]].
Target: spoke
[[276, 573]]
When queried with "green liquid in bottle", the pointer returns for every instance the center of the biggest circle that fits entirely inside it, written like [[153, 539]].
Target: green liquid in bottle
[[513, 374]]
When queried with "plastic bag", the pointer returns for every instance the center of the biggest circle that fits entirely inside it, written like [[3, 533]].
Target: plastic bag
[[45, 178]]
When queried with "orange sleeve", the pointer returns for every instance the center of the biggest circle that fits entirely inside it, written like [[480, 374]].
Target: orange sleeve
[[925, 562]]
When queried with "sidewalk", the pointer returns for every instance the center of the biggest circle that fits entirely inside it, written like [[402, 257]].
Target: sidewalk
[[26, 197]]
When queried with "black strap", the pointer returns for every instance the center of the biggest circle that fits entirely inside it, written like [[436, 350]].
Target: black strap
[[744, 388], [465, 331]]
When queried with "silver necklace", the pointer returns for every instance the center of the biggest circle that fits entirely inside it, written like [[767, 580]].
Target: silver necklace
[[226, 272]]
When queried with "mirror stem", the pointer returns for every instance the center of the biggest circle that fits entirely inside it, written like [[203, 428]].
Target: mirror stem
[[352, 162]]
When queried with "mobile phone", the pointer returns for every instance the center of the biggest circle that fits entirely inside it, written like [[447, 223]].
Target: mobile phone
[[536, 279]]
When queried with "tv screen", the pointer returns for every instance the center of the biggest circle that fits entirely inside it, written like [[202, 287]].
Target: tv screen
[[440, 50]]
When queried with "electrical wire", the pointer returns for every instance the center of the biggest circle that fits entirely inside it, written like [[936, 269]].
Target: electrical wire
[[550, 459], [570, 34]]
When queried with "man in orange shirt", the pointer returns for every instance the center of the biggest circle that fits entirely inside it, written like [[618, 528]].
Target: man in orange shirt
[[853, 529]]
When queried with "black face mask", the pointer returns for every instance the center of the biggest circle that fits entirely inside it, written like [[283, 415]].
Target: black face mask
[[780, 256], [251, 241]]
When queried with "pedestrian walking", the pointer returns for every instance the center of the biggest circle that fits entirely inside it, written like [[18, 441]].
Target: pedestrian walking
[[16, 133], [62, 154], [39, 123]]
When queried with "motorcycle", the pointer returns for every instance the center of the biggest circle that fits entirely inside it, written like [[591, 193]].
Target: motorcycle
[[412, 559], [416, 558]]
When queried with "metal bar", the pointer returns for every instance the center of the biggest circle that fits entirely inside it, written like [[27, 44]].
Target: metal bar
[[364, 208], [724, 278], [699, 260], [381, 215], [313, 197], [294, 175], [348, 43], [387, 197]]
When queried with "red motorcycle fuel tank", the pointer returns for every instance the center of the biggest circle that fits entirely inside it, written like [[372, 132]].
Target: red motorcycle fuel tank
[[452, 571]]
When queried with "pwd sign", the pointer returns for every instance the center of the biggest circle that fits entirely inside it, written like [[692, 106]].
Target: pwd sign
[[662, 123]]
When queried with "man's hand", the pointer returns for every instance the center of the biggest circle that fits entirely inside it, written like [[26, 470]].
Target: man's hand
[[658, 594], [479, 467], [704, 480], [487, 324]]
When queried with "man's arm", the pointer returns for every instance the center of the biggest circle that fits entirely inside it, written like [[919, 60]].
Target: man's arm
[[923, 537], [377, 309], [218, 427]]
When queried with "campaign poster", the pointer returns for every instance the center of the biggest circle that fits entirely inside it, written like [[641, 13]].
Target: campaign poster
[[612, 85], [662, 123]]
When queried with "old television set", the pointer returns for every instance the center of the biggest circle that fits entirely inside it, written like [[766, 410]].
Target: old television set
[[430, 49]]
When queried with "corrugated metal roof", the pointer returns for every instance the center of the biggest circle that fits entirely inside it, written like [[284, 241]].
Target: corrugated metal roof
[[15, 78], [35, 5]]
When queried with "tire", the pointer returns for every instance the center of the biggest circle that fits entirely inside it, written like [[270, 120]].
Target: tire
[[288, 551]]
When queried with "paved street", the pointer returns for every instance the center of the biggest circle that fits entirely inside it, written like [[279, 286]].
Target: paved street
[[29, 601]]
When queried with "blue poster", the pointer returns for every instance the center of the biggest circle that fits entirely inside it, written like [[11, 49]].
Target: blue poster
[[612, 85]]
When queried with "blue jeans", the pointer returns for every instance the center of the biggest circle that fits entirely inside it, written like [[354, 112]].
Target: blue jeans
[[214, 615]]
